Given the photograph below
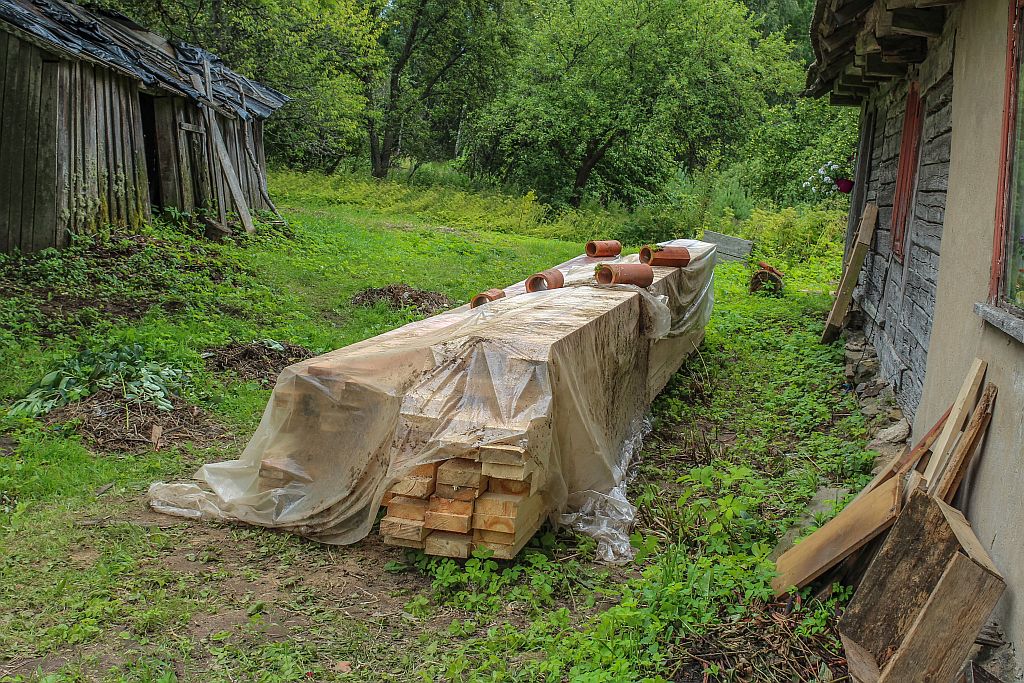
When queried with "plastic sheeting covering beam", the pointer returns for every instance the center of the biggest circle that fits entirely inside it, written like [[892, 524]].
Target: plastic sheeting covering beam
[[564, 376]]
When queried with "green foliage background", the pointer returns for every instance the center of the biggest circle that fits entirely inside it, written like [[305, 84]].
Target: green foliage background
[[627, 105]]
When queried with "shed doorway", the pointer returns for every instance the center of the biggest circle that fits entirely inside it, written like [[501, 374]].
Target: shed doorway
[[147, 106]]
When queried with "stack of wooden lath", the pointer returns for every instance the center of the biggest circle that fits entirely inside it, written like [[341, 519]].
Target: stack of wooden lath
[[479, 423], [449, 508], [490, 491]]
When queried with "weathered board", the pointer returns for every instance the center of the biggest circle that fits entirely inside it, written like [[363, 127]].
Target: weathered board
[[859, 522], [841, 306], [948, 480], [927, 593], [965, 400], [729, 248]]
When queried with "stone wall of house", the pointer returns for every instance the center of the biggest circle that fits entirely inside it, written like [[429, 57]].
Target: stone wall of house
[[898, 299]]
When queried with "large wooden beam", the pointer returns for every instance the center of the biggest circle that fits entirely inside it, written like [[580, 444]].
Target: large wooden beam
[[926, 23], [903, 49], [903, 4], [874, 65], [844, 36], [841, 100], [852, 10]]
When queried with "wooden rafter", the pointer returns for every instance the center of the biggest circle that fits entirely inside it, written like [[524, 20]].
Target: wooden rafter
[[876, 38]]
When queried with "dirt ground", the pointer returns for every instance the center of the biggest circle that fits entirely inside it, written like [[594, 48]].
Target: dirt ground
[[400, 296]]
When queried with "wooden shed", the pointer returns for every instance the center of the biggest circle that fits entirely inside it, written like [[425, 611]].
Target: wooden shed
[[101, 121]]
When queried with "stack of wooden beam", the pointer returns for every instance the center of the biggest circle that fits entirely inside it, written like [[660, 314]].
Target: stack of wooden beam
[[451, 507], [498, 472], [469, 427]]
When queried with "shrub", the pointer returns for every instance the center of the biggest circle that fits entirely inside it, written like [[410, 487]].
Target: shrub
[[790, 234]]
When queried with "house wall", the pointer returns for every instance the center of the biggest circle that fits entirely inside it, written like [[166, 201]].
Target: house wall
[[69, 148], [899, 298], [991, 495]]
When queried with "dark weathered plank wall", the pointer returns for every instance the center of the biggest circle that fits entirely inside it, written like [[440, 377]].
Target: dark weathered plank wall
[[99, 151], [70, 148], [29, 129], [899, 298]]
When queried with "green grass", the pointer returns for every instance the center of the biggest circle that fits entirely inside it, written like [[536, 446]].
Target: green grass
[[94, 587]]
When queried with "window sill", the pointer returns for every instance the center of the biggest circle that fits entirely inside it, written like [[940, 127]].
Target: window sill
[[1009, 323]]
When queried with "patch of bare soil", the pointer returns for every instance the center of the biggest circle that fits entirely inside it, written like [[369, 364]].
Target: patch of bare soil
[[257, 361], [109, 423], [399, 296], [66, 306]]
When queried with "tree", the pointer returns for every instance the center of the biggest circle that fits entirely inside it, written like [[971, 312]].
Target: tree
[[617, 93], [791, 18], [318, 52], [793, 141], [443, 59]]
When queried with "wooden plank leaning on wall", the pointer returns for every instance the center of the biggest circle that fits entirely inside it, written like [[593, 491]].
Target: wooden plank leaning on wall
[[844, 296]]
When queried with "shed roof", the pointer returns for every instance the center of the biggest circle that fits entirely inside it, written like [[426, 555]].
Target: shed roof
[[115, 41]]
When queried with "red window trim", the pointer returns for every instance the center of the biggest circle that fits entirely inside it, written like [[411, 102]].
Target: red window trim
[[1013, 44], [906, 172]]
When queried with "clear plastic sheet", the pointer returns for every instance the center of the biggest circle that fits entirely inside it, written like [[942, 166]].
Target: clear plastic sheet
[[567, 374]]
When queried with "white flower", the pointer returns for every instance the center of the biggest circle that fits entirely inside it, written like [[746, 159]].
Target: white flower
[[807, 183], [827, 179]]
